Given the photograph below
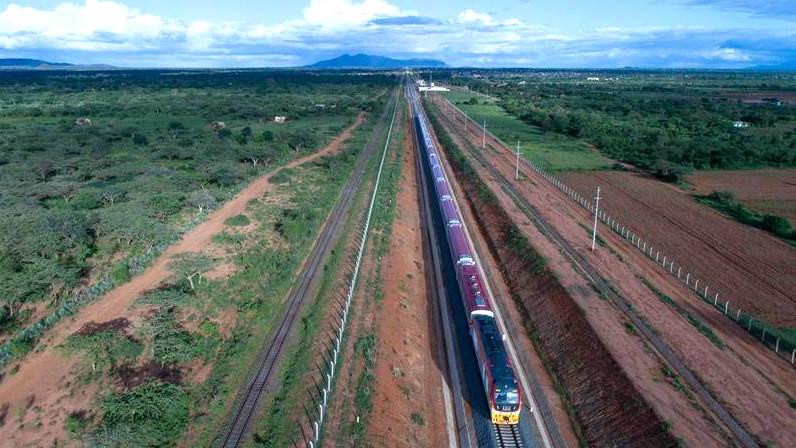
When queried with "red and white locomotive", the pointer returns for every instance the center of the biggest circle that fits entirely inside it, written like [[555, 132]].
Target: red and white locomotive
[[499, 381]]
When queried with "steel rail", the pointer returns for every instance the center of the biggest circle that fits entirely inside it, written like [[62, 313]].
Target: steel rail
[[582, 264], [266, 366]]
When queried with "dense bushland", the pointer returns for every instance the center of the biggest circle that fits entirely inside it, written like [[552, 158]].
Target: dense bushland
[[666, 122], [96, 167]]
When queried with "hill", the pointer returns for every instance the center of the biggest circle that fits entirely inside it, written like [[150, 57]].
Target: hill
[[375, 62], [29, 63]]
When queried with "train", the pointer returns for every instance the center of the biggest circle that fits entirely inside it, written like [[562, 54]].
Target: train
[[497, 374]]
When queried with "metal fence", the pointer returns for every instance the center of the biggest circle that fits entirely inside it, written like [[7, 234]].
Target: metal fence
[[764, 332], [328, 370]]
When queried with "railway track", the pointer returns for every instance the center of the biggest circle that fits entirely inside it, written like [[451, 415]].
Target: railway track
[[508, 436], [584, 266], [431, 240], [267, 363]]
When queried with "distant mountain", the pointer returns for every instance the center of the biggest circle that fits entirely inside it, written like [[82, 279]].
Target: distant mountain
[[29, 63], [376, 62], [783, 67]]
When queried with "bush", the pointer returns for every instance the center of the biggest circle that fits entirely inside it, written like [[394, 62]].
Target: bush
[[238, 220], [140, 140], [120, 273], [777, 225], [152, 414]]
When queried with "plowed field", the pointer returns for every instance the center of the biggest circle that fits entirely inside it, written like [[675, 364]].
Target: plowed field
[[768, 191]]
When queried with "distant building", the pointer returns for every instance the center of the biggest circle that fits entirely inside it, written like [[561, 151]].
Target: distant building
[[217, 125], [83, 122], [593, 78], [433, 88], [740, 124], [280, 118]]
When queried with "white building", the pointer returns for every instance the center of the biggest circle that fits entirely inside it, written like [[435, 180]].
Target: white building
[[740, 124]]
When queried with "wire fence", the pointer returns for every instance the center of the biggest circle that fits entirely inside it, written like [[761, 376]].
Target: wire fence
[[328, 370], [770, 336]]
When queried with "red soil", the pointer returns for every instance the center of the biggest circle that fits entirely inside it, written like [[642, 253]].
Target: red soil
[[408, 379], [46, 372], [747, 266], [767, 190], [753, 393]]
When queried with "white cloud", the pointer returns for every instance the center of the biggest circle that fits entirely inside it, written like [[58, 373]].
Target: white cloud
[[336, 13], [472, 16], [730, 54], [71, 20], [112, 32]]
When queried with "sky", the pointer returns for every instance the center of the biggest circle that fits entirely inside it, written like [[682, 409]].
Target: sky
[[497, 33]]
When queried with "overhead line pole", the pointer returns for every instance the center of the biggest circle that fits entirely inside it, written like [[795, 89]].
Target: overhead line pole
[[517, 167], [483, 143], [596, 214]]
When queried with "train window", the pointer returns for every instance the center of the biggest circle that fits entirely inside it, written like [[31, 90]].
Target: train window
[[508, 397], [479, 300]]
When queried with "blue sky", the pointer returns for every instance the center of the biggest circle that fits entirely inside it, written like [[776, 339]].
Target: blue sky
[[502, 33]]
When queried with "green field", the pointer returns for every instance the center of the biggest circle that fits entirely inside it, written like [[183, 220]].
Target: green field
[[549, 150]]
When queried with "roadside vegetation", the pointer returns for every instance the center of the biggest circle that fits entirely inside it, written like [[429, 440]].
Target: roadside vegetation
[[666, 122], [551, 151], [99, 172], [181, 370], [725, 202], [285, 412]]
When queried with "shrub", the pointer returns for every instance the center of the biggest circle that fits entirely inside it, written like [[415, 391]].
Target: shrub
[[152, 414], [120, 273], [238, 220]]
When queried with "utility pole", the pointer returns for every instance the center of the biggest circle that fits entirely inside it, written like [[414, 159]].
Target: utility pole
[[483, 143], [517, 169], [596, 212]]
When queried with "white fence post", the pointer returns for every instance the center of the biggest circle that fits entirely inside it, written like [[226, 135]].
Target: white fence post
[[738, 316], [726, 307]]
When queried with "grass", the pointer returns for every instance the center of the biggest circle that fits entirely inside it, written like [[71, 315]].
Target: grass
[[152, 414], [703, 328], [278, 428], [548, 150], [237, 221]]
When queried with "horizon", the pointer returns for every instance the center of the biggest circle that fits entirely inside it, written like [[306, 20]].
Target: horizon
[[669, 34]]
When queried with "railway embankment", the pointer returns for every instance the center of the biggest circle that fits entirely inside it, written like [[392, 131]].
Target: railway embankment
[[604, 405]]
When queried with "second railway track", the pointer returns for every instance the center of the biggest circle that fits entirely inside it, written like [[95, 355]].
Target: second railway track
[[267, 363], [583, 265]]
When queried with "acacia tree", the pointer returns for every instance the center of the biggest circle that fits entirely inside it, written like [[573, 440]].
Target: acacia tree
[[44, 169], [202, 199]]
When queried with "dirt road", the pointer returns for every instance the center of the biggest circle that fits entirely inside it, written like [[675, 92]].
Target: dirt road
[[45, 375]]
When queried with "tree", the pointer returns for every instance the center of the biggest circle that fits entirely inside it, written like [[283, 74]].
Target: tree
[[175, 129], [44, 169], [202, 200], [140, 140], [112, 195]]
